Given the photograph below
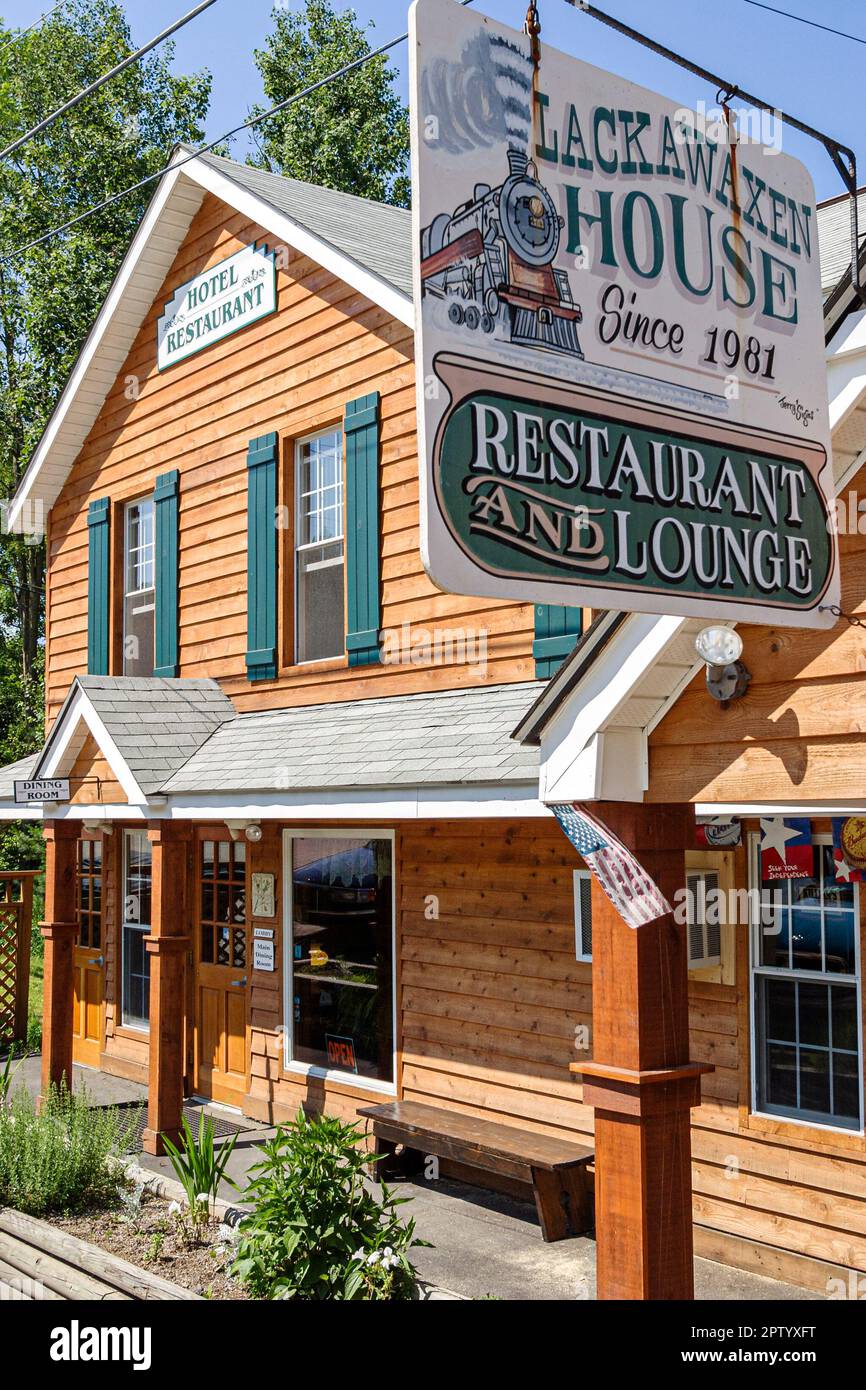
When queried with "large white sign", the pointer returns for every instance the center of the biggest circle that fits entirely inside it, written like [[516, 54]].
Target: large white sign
[[230, 296], [621, 386]]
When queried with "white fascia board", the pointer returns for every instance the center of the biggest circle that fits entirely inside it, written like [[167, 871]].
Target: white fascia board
[[610, 682], [60, 756], [414, 803], [322, 252], [12, 810], [780, 808], [91, 345]]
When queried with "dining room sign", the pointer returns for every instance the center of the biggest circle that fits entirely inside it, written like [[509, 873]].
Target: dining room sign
[[220, 301], [621, 388]]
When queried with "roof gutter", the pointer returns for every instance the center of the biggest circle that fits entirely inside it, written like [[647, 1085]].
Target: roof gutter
[[600, 631]]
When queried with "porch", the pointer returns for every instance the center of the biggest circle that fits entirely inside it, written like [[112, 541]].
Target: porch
[[484, 1244]]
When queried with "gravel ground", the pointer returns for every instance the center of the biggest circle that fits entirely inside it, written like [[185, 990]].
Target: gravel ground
[[153, 1240]]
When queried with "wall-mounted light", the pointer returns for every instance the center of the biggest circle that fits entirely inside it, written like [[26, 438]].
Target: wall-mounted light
[[721, 649], [249, 828]]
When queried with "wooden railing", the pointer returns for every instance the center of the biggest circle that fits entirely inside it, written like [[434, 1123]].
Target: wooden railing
[[16, 912]]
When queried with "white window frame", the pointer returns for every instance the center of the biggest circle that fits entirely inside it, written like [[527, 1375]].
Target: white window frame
[[816, 976], [297, 549], [132, 1023], [290, 1066], [131, 593], [581, 876]]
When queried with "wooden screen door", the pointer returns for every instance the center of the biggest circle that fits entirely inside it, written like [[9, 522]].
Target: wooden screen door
[[221, 967], [88, 959]]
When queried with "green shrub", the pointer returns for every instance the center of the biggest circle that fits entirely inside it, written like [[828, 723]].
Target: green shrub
[[316, 1230], [60, 1159]]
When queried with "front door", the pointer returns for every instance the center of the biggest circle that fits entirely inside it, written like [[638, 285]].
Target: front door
[[88, 960], [221, 967]]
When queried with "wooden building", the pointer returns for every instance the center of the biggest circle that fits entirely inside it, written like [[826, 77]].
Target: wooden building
[[307, 856]]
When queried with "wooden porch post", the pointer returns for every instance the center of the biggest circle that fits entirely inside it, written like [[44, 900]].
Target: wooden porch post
[[58, 929], [167, 945], [640, 1080]]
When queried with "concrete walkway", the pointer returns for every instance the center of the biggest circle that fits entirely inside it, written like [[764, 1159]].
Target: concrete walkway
[[483, 1245]]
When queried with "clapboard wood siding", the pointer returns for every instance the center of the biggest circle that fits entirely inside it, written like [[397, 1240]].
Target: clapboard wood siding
[[293, 373], [800, 732]]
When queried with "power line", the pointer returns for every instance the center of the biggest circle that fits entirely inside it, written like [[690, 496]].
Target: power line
[[31, 27], [106, 77], [802, 20], [203, 149]]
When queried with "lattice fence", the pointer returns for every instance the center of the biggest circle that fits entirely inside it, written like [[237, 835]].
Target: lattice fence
[[16, 903]]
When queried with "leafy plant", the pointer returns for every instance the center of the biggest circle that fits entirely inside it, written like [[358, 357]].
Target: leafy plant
[[62, 1159], [7, 1075], [316, 1230], [200, 1167]]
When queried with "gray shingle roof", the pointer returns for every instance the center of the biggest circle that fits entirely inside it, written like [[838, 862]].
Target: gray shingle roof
[[157, 724], [373, 235], [15, 772], [445, 738]]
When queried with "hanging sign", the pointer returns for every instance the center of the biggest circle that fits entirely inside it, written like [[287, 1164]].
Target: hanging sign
[[223, 299], [786, 848], [621, 387], [42, 789]]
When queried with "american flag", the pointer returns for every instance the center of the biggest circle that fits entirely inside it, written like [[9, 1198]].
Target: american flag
[[628, 885]]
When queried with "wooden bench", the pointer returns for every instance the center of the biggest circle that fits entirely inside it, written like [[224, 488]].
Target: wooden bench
[[555, 1168]]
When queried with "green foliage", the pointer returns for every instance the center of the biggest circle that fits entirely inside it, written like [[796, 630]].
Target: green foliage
[[316, 1230], [61, 1159], [50, 295], [7, 1076], [200, 1166], [352, 134]]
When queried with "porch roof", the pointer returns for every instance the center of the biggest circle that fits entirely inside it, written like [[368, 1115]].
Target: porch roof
[[449, 737], [164, 738]]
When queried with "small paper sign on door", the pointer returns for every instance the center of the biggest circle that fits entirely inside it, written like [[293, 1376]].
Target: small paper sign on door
[[263, 955]]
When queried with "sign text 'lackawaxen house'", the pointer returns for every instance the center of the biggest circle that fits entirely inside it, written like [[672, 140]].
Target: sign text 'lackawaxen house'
[[622, 393]]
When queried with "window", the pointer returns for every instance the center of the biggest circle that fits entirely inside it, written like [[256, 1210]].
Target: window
[[139, 589], [135, 1002], [583, 914], [222, 891], [805, 993], [320, 624], [90, 894], [341, 938]]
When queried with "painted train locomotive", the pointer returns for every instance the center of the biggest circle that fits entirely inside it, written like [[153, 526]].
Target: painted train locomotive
[[493, 260]]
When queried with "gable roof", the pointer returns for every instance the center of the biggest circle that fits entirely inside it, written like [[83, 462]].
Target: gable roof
[[145, 727], [363, 243]]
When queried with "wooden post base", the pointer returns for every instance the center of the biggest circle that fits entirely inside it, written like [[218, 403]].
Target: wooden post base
[[640, 1080]]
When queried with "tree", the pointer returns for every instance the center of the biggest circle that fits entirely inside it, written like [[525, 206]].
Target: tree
[[353, 134], [49, 296]]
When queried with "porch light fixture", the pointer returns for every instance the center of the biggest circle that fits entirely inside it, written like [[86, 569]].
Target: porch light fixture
[[721, 648], [253, 833]]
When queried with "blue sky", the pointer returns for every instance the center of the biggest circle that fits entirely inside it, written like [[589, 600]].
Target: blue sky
[[814, 75]]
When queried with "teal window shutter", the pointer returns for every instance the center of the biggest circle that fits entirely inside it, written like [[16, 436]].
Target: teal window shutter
[[165, 512], [261, 656], [363, 617], [556, 631], [98, 586]]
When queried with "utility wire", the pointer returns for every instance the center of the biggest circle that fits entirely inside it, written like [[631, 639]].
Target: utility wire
[[106, 77], [31, 27], [203, 149], [802, 20]]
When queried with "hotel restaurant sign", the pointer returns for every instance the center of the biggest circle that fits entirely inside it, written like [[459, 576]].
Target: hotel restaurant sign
[[621, 384], [227, 297]]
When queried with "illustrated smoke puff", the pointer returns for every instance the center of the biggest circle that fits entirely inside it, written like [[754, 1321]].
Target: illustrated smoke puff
[[483, 98]]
